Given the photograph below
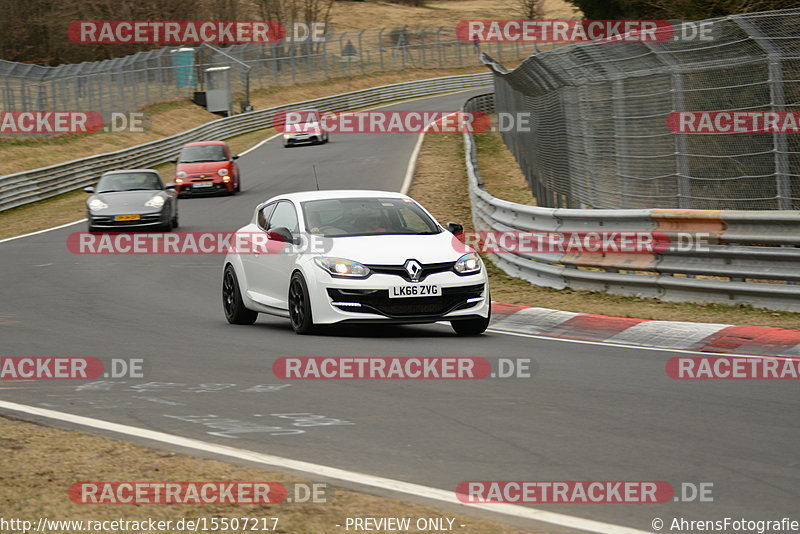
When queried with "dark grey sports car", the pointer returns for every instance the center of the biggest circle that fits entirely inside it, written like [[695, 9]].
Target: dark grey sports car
[[134, 198]]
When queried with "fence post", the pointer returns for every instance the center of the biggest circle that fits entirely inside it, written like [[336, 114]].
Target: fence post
[[780, 145]]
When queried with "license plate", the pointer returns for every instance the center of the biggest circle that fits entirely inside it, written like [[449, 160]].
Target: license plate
[[202, 184], [399, 292], [127, 217]]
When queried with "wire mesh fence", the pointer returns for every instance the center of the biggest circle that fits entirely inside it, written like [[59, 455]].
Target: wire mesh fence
[[600, 136], [133, 82]]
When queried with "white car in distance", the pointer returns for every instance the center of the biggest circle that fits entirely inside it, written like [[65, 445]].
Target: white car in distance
[[355, 257]]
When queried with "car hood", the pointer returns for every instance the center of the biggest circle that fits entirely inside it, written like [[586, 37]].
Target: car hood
[[208, 167], [307, 127], [396, 249]]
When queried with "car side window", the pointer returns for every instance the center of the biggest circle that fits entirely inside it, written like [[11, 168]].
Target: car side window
[[284, 215], [263, 215]]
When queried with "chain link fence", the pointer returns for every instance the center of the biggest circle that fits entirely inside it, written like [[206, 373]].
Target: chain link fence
[[133, 82], [599, 135]]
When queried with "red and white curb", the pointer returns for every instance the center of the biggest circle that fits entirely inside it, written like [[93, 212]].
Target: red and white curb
[[700, 337]]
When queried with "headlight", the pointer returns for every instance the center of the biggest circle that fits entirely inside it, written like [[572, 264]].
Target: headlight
[[342, 268], [178, 181], [222, 172], [468, 264], [181, 174], [155, 202], [96, 204]]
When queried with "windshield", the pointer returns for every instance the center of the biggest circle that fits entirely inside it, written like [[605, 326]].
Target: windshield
[[367, 216], [204, 153], [130, 181]]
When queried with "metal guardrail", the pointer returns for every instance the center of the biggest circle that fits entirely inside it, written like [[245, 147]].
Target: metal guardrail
[[30, 186], [754, 258]]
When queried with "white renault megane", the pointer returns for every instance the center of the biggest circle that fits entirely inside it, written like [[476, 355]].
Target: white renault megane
[[354, 257]]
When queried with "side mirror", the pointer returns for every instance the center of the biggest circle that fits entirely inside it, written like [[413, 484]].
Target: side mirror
[[454, 228], [88, 190], [282, 234], [235, 157], [177, 160], [169, 186]]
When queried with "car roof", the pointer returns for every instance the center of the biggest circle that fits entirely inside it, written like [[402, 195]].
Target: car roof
[[125, 171], [328, 194], [205, 143]]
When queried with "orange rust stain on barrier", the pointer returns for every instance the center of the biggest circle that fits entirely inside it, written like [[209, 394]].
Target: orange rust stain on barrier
[[633, 262], [676, 220]]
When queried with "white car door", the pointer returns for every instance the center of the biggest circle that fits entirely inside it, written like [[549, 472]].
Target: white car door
[[254, 271], [276, 267]]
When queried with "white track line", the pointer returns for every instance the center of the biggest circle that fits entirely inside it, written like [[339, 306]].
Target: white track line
[[267, 140], [407, 488], [42, 231], [412, 165], [635, 347]]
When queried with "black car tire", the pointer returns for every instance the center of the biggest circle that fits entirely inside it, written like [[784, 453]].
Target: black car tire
[[238, 185], [167, 226], [232, 303], [470, 327], [473, 327], [300, 306], [175, 219]]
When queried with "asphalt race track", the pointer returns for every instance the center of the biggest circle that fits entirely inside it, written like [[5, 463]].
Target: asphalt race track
[[590, 412]]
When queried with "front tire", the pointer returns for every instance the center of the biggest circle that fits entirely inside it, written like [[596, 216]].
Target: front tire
[[300, 306], [470, 327], [232, 303]]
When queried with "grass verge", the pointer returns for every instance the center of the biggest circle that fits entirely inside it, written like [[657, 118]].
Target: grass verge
[[440, 183], [38, 465]]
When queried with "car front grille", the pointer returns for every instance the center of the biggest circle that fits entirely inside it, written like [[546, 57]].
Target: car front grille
[[399, 270], [378, 301], [109, 220]]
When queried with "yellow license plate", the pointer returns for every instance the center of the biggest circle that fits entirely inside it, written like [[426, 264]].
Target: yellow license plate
[[127, 217]]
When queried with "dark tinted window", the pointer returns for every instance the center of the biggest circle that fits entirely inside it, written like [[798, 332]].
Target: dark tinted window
[[284, 215], [263, 215], [129, 181], [200, 154], [367, 216]]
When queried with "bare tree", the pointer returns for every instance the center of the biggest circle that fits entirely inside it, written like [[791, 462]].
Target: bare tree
[[530, 9]]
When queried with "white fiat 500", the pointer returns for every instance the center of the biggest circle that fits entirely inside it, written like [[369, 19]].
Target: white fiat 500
[[353, 257]]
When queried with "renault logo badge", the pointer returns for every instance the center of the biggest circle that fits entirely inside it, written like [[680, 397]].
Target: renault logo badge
[[414, 269]]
